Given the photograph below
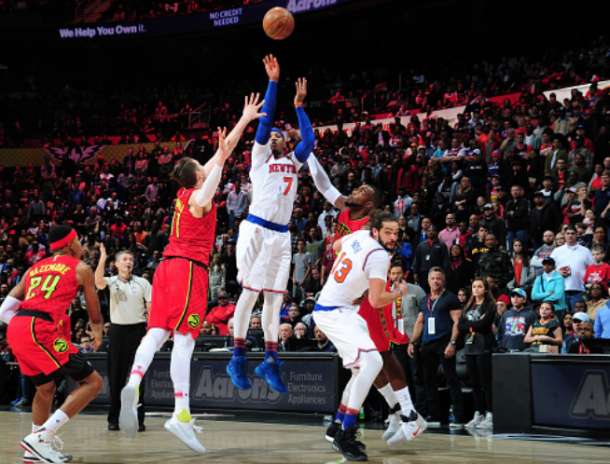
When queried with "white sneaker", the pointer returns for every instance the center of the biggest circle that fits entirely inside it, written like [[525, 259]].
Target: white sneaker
[[410, 428], [40, 445], [128, 417], [185, 431], [487, 423], [393, 427], [476, 421], [29, 458]]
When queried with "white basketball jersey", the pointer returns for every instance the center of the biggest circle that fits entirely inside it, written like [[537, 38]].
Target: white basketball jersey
[[274, 184], [361, 258]]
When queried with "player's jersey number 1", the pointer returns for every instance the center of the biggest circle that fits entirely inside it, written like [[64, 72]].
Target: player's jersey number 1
[[341, 268]]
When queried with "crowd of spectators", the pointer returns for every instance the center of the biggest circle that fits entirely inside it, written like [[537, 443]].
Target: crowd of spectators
[[516, 193]]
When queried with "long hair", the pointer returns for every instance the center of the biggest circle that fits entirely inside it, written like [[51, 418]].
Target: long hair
[[524, 256], [489, 298], [461, 190]]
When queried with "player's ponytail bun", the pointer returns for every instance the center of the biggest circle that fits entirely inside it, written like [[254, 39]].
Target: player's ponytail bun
[[185, 172]]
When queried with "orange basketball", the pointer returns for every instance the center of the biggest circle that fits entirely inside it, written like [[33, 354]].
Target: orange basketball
[[278, 23]]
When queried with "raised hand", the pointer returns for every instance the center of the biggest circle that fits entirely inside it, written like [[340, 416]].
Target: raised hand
[[301, 85], [223, 149], [102, 252], [252, 106], [272, 67]]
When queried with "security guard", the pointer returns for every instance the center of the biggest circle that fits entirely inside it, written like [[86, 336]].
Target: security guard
[[129, 303]]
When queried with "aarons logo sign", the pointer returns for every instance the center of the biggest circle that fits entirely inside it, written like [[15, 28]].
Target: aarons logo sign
[[218, 387], [592, 398]]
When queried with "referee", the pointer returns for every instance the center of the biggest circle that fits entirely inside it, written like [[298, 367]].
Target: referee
[[129, 302]]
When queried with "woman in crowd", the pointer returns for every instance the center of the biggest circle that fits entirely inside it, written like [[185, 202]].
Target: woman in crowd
[[524, 273], [598, 297], [476, 326], [462, 270], [464, 200], [568, 328]]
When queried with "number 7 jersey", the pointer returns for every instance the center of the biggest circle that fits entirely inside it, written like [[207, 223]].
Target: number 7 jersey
[[51, 285], [274, 184], [361, 258]]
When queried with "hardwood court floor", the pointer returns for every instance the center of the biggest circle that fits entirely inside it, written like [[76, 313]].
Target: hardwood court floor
[[232, 442]]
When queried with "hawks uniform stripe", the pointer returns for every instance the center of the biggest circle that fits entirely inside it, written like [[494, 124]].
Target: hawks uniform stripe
[[188, 295], [42, 347]]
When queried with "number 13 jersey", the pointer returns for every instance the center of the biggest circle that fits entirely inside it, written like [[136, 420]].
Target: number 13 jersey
[[274, 184], [361, 258], [51, 285]]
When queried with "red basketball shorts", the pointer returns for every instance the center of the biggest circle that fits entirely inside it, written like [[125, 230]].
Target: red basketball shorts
[[41, 346], [179, 296]]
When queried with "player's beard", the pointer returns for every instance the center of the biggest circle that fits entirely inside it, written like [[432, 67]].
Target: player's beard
[[388, 246], [349, 202]]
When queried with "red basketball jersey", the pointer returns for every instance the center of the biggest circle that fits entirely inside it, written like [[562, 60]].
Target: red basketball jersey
[[51, 285], [191, 237], [346, 226]]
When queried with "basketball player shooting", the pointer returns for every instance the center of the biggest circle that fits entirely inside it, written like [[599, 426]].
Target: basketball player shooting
[[179, 297], [264, 248]]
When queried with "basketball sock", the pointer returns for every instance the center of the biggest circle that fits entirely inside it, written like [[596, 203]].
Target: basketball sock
[[55, 422], [370, 365], [270, 351], [389, 395], [271, 323], [35, 427], [180, 370], [404, 398], [243, 311], [350, 418], [239, 347], [340, 413], [145, 353]]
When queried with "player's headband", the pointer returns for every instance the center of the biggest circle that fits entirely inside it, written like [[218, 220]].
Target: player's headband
[[279, 132], [63, 241]]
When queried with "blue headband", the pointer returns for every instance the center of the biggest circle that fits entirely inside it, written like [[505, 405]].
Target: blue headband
[[279, 132]]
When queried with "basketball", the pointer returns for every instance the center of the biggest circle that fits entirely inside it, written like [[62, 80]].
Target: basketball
[[278, 23]]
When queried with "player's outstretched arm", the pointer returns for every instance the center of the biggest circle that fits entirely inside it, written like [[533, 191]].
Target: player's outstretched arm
[[86, 279], [203, 196], [11, 303], [304, 148], [324, 185], [250, 112], [266, 123]]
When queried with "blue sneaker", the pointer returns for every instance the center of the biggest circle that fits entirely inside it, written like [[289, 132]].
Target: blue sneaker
[[237, 368], [15, 401], [270, 373]]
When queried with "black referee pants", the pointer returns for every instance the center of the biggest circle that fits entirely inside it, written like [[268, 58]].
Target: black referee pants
[[122, 346]]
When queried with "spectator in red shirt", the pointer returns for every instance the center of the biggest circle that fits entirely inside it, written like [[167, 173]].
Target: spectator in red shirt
[[220, 315], [32, 257]]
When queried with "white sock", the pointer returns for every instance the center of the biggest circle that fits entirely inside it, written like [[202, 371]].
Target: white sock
[[389, 395], [55, 422], [404, 398], [35, 427], [180, 370], [145, 353], [271, 316], [243, 311]]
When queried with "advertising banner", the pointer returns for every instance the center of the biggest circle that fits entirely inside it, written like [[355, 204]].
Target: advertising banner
[[573, 396], [312, 385], [185, 24]]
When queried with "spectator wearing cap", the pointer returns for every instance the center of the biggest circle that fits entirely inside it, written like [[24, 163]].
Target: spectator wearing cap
[[428, 254], [586, 334], [515, 323], [550, 287], [572, 261], [219, 315], [578, 318], [556, 153], [543, 216], [495, 225], [587, 143]]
